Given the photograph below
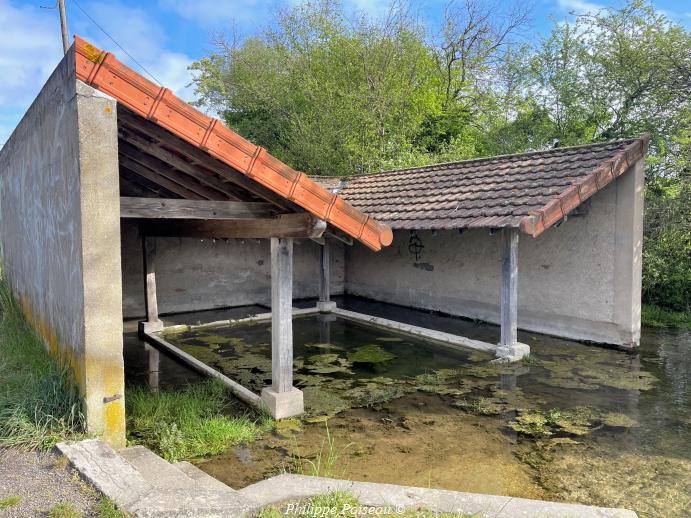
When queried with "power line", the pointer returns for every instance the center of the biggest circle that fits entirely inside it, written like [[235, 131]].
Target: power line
[[116, 43]]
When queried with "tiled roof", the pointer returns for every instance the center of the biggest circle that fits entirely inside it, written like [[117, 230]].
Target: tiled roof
[[531, 191], [104, 72]]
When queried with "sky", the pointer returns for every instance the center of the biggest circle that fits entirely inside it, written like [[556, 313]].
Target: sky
[[165, 36]]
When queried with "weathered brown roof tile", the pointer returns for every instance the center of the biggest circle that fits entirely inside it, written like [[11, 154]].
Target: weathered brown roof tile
[[532, 191]]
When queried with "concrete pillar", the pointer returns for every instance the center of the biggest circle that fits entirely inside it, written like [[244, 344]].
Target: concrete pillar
[[325, 305], [628, 249], [282, 399], [509, 347], [103, 373]]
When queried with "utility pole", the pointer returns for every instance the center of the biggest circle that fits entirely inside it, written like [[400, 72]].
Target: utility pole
[[63, 26]]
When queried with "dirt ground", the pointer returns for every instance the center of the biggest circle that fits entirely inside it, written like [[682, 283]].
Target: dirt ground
[[41, 481]]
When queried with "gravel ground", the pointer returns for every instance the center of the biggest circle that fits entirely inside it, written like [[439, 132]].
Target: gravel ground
[[42, 480]]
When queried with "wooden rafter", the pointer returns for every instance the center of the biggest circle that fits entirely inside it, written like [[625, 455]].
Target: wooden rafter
[[158, 151], [169, 172], [199, 158], [154, 177], [152, 188]]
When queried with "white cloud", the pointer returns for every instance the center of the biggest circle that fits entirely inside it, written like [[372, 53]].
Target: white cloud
[[30, 47], [143, 38], [579, 6]]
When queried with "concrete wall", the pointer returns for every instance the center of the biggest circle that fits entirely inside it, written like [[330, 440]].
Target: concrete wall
[[59, 229], [194, 274], [580, 280]]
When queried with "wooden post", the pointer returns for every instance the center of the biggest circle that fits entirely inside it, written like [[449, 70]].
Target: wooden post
[[281, 314], [324, 273], [325, 305], [152, 322], [509, 287]]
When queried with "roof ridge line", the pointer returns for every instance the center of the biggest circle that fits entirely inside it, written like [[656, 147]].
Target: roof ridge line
[[488, 158]]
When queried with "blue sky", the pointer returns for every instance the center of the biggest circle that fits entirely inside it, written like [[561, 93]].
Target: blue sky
[[167, 35]]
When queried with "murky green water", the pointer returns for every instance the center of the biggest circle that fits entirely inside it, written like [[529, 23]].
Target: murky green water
[[577, 423]]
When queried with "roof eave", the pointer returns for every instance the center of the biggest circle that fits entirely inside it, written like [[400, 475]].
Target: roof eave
[[554, 211]]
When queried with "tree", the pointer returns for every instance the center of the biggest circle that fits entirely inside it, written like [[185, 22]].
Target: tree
[[325, 94]]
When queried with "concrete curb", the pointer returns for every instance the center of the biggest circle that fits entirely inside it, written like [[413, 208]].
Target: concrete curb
[[447, 339], [287, 488]]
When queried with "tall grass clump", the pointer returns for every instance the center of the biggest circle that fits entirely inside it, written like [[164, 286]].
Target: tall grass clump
[[191, 422], [39, 401]]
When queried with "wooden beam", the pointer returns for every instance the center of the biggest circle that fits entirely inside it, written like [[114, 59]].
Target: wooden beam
[[281, 314], [168, 172], [159, 208], [324, 273], [154, 177], [301, 225], [509, 287], [149, 256], [200, 158], [156, 150]]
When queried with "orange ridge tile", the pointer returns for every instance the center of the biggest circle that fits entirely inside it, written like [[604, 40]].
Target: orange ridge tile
[[103, 71], [536, 223]]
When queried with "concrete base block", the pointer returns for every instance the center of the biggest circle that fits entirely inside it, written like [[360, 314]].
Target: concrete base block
[[326, 307], [283, 404], [150, 327], [512, 353]]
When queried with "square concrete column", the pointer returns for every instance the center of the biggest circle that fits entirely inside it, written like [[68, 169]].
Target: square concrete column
[[509, 348], [628, 251], [325, 305], [282, 399]]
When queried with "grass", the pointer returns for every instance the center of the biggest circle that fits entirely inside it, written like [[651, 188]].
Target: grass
[[64, 510], [655, 316], [326, 463], [106, 509], [192, 422], [10, 501], [39, 403]]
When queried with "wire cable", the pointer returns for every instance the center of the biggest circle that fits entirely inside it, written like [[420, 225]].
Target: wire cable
[[116, 43]]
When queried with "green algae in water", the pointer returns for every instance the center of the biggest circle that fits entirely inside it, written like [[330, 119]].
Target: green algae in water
[[480, 406], [321, 403], [538, 423], [370, 353], [618, 420]]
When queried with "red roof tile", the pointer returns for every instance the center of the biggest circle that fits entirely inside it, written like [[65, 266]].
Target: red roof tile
[[104, 72]]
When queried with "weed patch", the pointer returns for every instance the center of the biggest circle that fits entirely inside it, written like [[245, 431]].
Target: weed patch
[[39, 402], [192, 422]]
